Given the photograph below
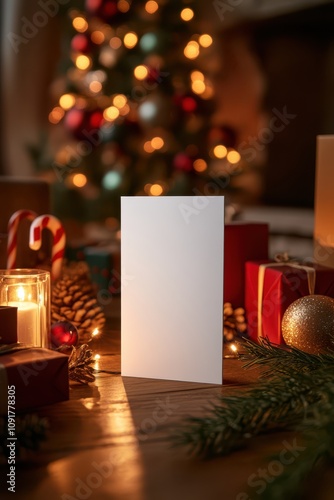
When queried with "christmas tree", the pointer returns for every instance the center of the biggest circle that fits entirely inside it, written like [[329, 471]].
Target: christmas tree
[[134, 104]]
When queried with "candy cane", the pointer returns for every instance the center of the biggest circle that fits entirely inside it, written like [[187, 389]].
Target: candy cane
[[13, 225], [59, 240]]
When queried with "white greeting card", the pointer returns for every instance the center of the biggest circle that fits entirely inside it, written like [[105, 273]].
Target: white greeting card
[[172, 287]]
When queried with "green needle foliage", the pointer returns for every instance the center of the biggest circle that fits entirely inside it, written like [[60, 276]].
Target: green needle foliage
[[298, 395], [281, 360]]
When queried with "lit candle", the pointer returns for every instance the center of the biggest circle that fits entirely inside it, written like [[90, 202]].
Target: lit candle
[[29, 291], [27, 318]]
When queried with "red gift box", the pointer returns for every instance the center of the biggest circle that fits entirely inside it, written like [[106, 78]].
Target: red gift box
[[243, 241], [40, 377], [282, 285]]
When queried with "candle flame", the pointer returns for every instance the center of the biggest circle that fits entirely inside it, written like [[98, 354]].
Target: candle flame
[[20, 293], [97, 357]]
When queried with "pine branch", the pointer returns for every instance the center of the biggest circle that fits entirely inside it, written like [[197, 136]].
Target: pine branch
[[298, 396], [317, 436], [277, 404], [292, 483], [282, 360]]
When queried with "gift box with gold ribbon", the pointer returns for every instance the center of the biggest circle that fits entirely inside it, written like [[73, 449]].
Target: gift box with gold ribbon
[[272, 286]]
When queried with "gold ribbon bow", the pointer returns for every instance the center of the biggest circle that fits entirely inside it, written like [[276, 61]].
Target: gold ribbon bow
[[280, 260]]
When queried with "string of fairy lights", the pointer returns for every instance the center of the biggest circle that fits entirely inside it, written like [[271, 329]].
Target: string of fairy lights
[[116, 45]]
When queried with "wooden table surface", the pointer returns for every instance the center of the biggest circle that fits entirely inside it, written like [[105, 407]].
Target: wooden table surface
[[111, 440]]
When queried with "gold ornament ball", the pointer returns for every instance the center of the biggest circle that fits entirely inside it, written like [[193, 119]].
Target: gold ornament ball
[[308, 322]]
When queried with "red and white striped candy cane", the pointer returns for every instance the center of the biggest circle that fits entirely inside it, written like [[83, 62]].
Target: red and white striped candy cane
[[59, 240], [13, 225]]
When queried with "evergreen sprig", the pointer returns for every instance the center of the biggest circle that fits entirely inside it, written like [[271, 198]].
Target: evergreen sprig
[[317, 435], [298, 395], [235, 419], [281, 359]]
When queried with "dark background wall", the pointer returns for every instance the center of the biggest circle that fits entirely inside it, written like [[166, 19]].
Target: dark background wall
[[273, 61], [297, 55]]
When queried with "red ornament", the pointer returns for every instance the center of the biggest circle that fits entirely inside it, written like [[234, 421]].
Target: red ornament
[[189, 104], [80, 43], [104, 9], [74, 120], [153, 76], [183, 162], [223, 135], [84, 125], [64, 333], [96, 119]]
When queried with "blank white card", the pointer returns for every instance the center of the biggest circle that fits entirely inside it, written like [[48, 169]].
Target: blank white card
[[172, 287]]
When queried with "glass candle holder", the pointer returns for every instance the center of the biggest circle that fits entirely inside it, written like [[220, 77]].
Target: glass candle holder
[[29, 291]]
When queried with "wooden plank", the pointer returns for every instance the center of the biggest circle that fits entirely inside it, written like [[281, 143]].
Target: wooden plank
[[112, 440]]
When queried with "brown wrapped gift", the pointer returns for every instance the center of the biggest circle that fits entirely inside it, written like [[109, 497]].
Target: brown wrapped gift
[[40, 377], [8, 325]]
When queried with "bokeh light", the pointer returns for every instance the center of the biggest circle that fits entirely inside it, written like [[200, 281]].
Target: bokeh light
[[130, 40], [111, 113], [157, 142], [187, 14], [151, 7], [56, 115], [80, 24], [205, 40], [191, 50], [156, 190], [79, 180], [140, 72], [83, 62], [233, 157], [200, 165], [112, 180], [67, 101], [220, 151]]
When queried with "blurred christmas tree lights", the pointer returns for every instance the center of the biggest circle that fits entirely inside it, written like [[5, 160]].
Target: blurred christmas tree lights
[[135, 102]]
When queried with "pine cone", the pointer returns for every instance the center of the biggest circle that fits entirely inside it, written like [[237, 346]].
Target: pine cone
[[234, 322], [74, 300]]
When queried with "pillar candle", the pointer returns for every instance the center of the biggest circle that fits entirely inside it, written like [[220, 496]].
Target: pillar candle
[[324, 202]]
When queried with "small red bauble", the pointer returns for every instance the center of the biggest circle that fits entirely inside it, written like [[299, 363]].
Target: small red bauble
[[80, 43], [74, 121], [189, 104], [104, 9], [64, 333], [84, 125], [183, 162]]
